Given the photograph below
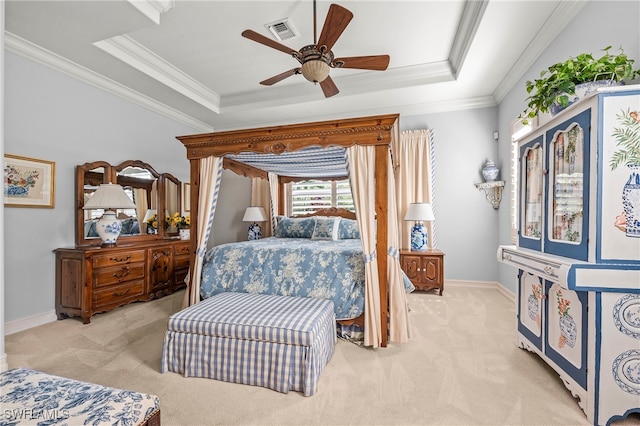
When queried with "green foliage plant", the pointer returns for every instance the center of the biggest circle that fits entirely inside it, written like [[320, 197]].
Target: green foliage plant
[[559, 81]]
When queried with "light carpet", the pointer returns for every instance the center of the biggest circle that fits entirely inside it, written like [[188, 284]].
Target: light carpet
[[461, 367]]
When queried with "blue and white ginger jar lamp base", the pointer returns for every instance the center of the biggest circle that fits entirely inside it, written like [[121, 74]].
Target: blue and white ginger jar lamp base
[[255, 232], [419, 237]]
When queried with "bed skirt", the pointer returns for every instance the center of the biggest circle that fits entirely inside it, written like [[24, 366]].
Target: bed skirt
[[278, 342]]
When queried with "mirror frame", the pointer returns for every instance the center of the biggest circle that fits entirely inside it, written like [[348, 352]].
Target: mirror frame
[[163, 178], [111, 175]]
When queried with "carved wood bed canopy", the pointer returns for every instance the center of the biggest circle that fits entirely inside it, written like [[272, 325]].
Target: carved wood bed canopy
[[377, 131]]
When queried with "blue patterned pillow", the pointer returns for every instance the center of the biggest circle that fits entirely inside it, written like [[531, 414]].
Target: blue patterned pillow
[[348, 229], [289, 227], [326, 228]]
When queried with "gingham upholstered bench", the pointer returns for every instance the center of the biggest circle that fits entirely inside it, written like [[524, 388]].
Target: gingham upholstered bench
[[278, 342], [33, 397]]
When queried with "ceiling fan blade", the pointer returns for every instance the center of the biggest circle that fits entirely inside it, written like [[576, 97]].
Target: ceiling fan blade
[[280, 77], [375, 62], [259, 38], [329, 88], [337, 20]]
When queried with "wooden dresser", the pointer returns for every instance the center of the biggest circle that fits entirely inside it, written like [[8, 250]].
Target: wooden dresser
[[96, 279], [425, 269]]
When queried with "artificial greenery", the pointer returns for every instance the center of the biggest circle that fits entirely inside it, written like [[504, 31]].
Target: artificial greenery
[[559, 81], [627, 138]]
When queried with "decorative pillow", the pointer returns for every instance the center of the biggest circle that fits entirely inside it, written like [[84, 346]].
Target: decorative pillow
[[290, 227], [348, 229], [326, 228]]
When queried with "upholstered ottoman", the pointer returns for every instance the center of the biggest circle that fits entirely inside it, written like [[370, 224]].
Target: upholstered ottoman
[[278, 342], [33, 397]]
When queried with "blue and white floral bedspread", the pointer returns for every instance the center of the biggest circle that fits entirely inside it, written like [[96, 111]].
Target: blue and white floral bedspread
[[303, 267]]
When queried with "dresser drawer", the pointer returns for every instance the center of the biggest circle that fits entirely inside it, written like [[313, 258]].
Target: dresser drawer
[[184, 249], [109, 276], [119, 258], [182, 262], [118, 294]]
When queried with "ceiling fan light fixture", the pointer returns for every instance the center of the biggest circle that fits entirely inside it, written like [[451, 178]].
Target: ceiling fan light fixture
[[315, 70]]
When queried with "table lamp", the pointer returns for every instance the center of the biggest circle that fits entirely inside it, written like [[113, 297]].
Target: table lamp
[[109, 197], [419, 212], [254, 214]]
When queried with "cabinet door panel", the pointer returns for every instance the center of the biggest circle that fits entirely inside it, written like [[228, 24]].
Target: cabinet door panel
[[566, 330], [567, 191], [430, 270], [411, 267], [530, 303]]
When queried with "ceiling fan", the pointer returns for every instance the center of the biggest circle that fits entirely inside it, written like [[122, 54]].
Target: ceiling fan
[[317, 59]]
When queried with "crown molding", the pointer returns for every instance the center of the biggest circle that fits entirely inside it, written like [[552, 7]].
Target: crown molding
[[469, 22], [139, 57], [35, 53], [152, 9]]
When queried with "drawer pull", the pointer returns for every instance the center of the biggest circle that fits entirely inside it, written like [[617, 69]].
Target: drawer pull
[[124, 293], [126, 271], [120, 259]]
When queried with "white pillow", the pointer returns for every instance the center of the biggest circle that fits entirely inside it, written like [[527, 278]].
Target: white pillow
[[326, 228]]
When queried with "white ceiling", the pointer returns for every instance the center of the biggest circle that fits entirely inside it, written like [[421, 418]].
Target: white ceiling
[[187, 59]]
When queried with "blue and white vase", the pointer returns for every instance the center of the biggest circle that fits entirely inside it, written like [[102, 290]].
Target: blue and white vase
[[419, 237], [631, 202], [108, 228], [568, 330], [490, 171], [255, 232]]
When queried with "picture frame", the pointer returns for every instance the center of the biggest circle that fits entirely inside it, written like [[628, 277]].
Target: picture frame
[[28, 182], [186, 197]]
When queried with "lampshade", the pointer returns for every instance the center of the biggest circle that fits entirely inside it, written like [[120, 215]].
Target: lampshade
[[315, 70], [109, 196], [420, 212], [254, 214]]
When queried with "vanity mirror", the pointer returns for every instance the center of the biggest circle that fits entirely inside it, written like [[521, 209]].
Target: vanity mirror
[[150, 191]]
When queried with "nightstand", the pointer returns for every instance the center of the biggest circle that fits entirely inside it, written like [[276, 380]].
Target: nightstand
[[425, 269]]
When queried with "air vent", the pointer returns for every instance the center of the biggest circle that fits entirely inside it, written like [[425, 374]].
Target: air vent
[[282, 29]]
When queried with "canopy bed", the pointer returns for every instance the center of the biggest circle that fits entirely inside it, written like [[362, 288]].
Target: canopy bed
[[360, 148]]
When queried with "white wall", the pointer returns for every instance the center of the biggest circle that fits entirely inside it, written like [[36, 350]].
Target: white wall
[[466, 224], [598, 25], [53, 117]]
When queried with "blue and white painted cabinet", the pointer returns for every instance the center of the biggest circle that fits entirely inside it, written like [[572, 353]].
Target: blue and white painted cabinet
[[578, 250]]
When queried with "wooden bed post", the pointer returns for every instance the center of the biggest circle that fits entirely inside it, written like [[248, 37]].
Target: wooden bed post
[[194, 203], [382, 206]]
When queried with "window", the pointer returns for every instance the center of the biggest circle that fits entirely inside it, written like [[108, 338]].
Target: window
[[310, 195]]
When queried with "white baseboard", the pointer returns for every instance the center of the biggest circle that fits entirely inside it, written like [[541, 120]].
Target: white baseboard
[[29, 322], [493, 285]]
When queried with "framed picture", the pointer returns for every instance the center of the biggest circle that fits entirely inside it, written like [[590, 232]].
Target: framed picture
[[186, 197], [28, 182]]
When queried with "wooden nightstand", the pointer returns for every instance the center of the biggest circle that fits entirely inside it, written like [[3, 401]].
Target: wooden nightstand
[[425, 269]]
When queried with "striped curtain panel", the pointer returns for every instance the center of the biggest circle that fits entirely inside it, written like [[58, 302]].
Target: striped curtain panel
[[414, 171]]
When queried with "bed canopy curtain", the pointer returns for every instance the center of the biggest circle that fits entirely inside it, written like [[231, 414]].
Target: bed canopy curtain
[[208, 180], [368, 141], [414, 167]]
